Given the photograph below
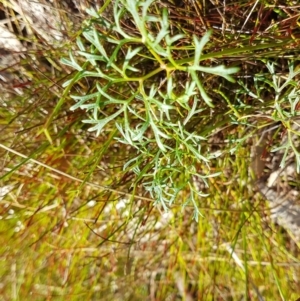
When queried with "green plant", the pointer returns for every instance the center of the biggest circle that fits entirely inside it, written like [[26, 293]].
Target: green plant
[[283, 107], [61, 223], [147, 93]]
